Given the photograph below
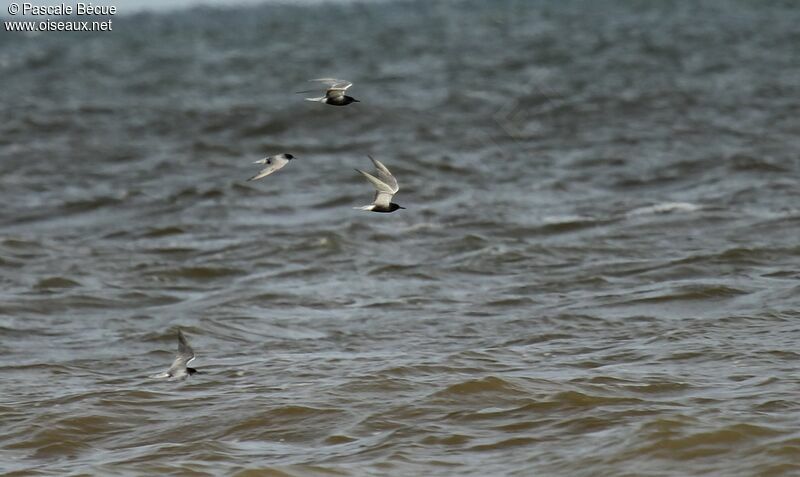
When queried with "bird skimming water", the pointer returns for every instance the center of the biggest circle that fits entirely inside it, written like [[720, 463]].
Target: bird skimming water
[[273, 163], [335, 95], [179, 370], [385, 188]]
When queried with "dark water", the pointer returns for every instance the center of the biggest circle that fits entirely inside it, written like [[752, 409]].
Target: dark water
[[596, 274]]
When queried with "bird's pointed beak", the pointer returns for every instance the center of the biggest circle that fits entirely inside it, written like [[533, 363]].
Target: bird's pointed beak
[[400, 207], [356, 101]]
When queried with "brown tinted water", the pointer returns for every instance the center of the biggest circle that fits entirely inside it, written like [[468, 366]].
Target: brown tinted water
[[596, 274]]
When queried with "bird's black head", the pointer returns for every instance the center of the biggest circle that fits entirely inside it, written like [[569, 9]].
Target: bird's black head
[[351, 99], [288, 156], [191, 371], [394, 207]]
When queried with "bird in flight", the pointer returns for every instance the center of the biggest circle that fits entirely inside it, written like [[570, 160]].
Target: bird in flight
[[385, 188], [273, 163], [335, 94], [179, 370]]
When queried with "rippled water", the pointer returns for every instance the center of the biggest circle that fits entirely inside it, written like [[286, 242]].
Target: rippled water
[[596, 274]]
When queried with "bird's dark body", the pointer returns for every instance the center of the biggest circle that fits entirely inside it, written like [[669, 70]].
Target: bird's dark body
[[384, 210], [343, 100]]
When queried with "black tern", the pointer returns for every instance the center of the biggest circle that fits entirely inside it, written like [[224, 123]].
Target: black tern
[[273, 163], [335, 95], [385, 188], [179, 370]]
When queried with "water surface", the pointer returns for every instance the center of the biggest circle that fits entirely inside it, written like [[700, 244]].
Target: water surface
[[596, 274]]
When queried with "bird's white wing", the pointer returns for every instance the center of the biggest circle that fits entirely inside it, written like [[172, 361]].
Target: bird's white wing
[[383, 191], [385, 176], [185, 352], [184, 357], [379, 185], [334, 93], [177, 367], [183, 347], [334, 84], [273, 163], [382, 199]]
